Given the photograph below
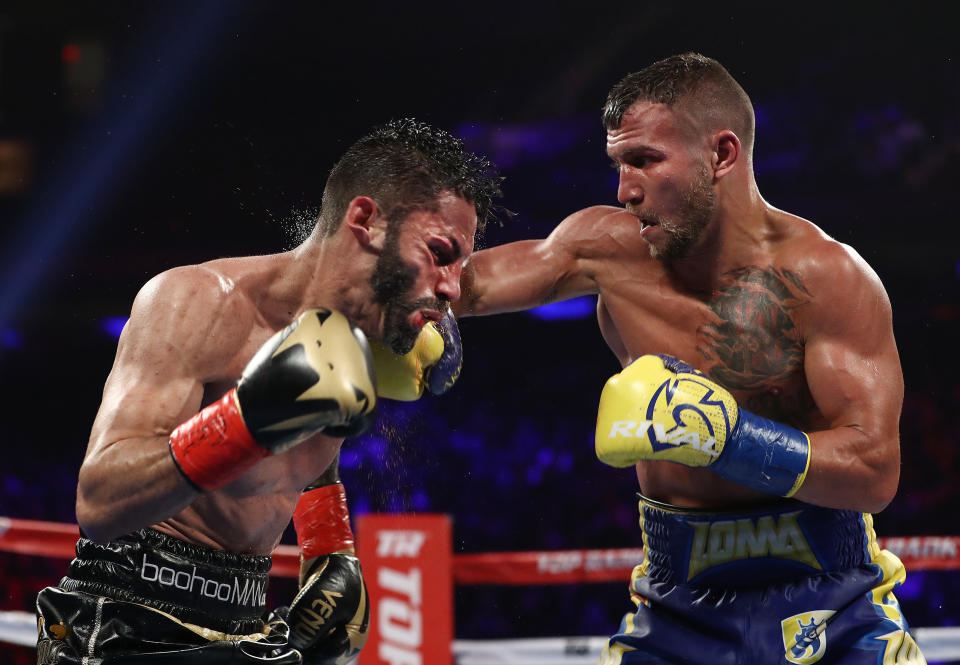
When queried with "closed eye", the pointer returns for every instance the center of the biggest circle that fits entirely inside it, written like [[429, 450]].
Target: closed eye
[[443, 253]]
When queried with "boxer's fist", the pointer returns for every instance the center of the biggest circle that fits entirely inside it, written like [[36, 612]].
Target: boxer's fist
[[660, 408], [433, 363], [315, 374], [330, 616]]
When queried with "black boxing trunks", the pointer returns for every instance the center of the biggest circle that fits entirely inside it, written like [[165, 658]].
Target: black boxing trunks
[[791, 583], [151, 598]]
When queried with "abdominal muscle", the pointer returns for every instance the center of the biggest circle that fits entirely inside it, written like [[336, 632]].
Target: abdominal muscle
[[679, 485]]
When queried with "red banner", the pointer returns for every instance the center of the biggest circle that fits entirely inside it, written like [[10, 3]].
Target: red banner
[[408, 567]]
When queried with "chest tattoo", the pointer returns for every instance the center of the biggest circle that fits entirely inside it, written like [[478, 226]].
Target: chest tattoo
[[753, 341]]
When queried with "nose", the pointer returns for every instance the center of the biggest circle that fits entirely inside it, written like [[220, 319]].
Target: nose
[[448, 282], [629, 191]]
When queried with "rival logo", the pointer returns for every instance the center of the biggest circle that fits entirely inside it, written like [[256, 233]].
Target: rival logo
[[400, 543], [805, 636], [715, 543], [660, 437]]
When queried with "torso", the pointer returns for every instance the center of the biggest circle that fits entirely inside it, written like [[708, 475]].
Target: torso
[[250, 514], [747, 335]]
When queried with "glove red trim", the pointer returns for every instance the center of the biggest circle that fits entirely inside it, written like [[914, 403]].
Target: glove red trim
[[215, 446], [322, 521]]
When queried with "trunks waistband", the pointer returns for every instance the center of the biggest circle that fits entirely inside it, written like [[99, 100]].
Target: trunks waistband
[[751, 547], [224, 591]]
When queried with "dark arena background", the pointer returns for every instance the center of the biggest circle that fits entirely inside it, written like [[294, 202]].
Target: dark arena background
[[139, 136]]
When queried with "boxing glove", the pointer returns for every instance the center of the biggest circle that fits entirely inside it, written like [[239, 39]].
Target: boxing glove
[[660, 408], [330, 615], [315, 374], [434, 362]]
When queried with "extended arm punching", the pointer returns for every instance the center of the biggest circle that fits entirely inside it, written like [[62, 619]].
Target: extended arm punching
[[529, 273]]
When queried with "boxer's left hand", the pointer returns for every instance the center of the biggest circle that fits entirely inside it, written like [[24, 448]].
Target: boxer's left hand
[[660, 408], [434, 363], [330, 615]]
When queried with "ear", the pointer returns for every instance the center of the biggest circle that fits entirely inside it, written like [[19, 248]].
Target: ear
[[361, 220], [726, 152]]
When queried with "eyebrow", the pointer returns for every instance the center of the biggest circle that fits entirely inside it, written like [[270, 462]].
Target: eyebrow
[[638, 151]]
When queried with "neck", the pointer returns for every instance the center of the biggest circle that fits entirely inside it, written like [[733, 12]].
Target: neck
[[734, 238], [325, 272]]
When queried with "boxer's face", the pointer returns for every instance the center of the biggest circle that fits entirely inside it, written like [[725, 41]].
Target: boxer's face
[[417, 273], [664, 180]]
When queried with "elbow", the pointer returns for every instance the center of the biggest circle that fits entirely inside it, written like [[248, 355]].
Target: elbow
[[94, 517], [882, 483], [881, 493], [93, 523]]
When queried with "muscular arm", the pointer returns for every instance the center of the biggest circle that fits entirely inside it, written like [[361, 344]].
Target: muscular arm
[[183, 330], [853, 370], [528, 273]]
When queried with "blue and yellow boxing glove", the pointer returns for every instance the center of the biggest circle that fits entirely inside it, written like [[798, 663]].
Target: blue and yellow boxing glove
[[660, 408], [434, 363]]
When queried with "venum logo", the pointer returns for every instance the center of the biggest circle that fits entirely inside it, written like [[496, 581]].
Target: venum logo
[[720, 542], [251, 593], [805, 636]]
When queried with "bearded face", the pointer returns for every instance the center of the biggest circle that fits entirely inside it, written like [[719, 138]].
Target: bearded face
[[686, 226], [392, 280]]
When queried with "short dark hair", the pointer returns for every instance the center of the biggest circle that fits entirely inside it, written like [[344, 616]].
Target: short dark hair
[[405, 165], [702, 84]]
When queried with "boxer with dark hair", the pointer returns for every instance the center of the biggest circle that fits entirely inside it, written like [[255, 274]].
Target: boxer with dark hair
[[762, 452], [234, 385]]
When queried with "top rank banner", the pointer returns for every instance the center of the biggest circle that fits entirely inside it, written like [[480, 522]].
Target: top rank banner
[[408, 566]]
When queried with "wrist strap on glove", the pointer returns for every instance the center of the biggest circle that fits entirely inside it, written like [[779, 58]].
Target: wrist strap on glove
[[215, 446], [322, 521], [765, 455]]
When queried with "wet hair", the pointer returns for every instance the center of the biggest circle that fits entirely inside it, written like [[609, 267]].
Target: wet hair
[[405, 165], [701, 84]]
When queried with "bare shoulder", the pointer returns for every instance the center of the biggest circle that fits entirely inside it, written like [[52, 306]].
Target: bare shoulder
[[837, 277], [600, 231], [195, 313]]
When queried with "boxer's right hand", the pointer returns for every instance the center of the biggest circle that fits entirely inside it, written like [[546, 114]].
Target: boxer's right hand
[[434, 363], [315, 374]]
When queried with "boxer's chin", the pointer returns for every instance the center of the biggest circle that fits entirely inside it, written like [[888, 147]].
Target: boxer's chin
[[401, 333]]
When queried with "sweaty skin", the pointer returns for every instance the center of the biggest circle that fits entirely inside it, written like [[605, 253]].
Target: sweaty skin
[[796, 325], [191, 332]]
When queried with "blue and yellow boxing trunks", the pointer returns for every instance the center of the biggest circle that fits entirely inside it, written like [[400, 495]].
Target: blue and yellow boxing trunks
[[792, 583]]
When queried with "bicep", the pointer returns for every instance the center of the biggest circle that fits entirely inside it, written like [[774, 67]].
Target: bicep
[[853, 367], [166, 353]]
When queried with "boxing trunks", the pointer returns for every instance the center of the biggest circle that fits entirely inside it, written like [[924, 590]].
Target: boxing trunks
[[151, 598], [792, 583]]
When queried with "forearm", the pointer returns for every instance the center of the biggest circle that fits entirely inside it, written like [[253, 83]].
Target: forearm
[[852, 470], [328, 477], [129, 485], [520, 276]]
